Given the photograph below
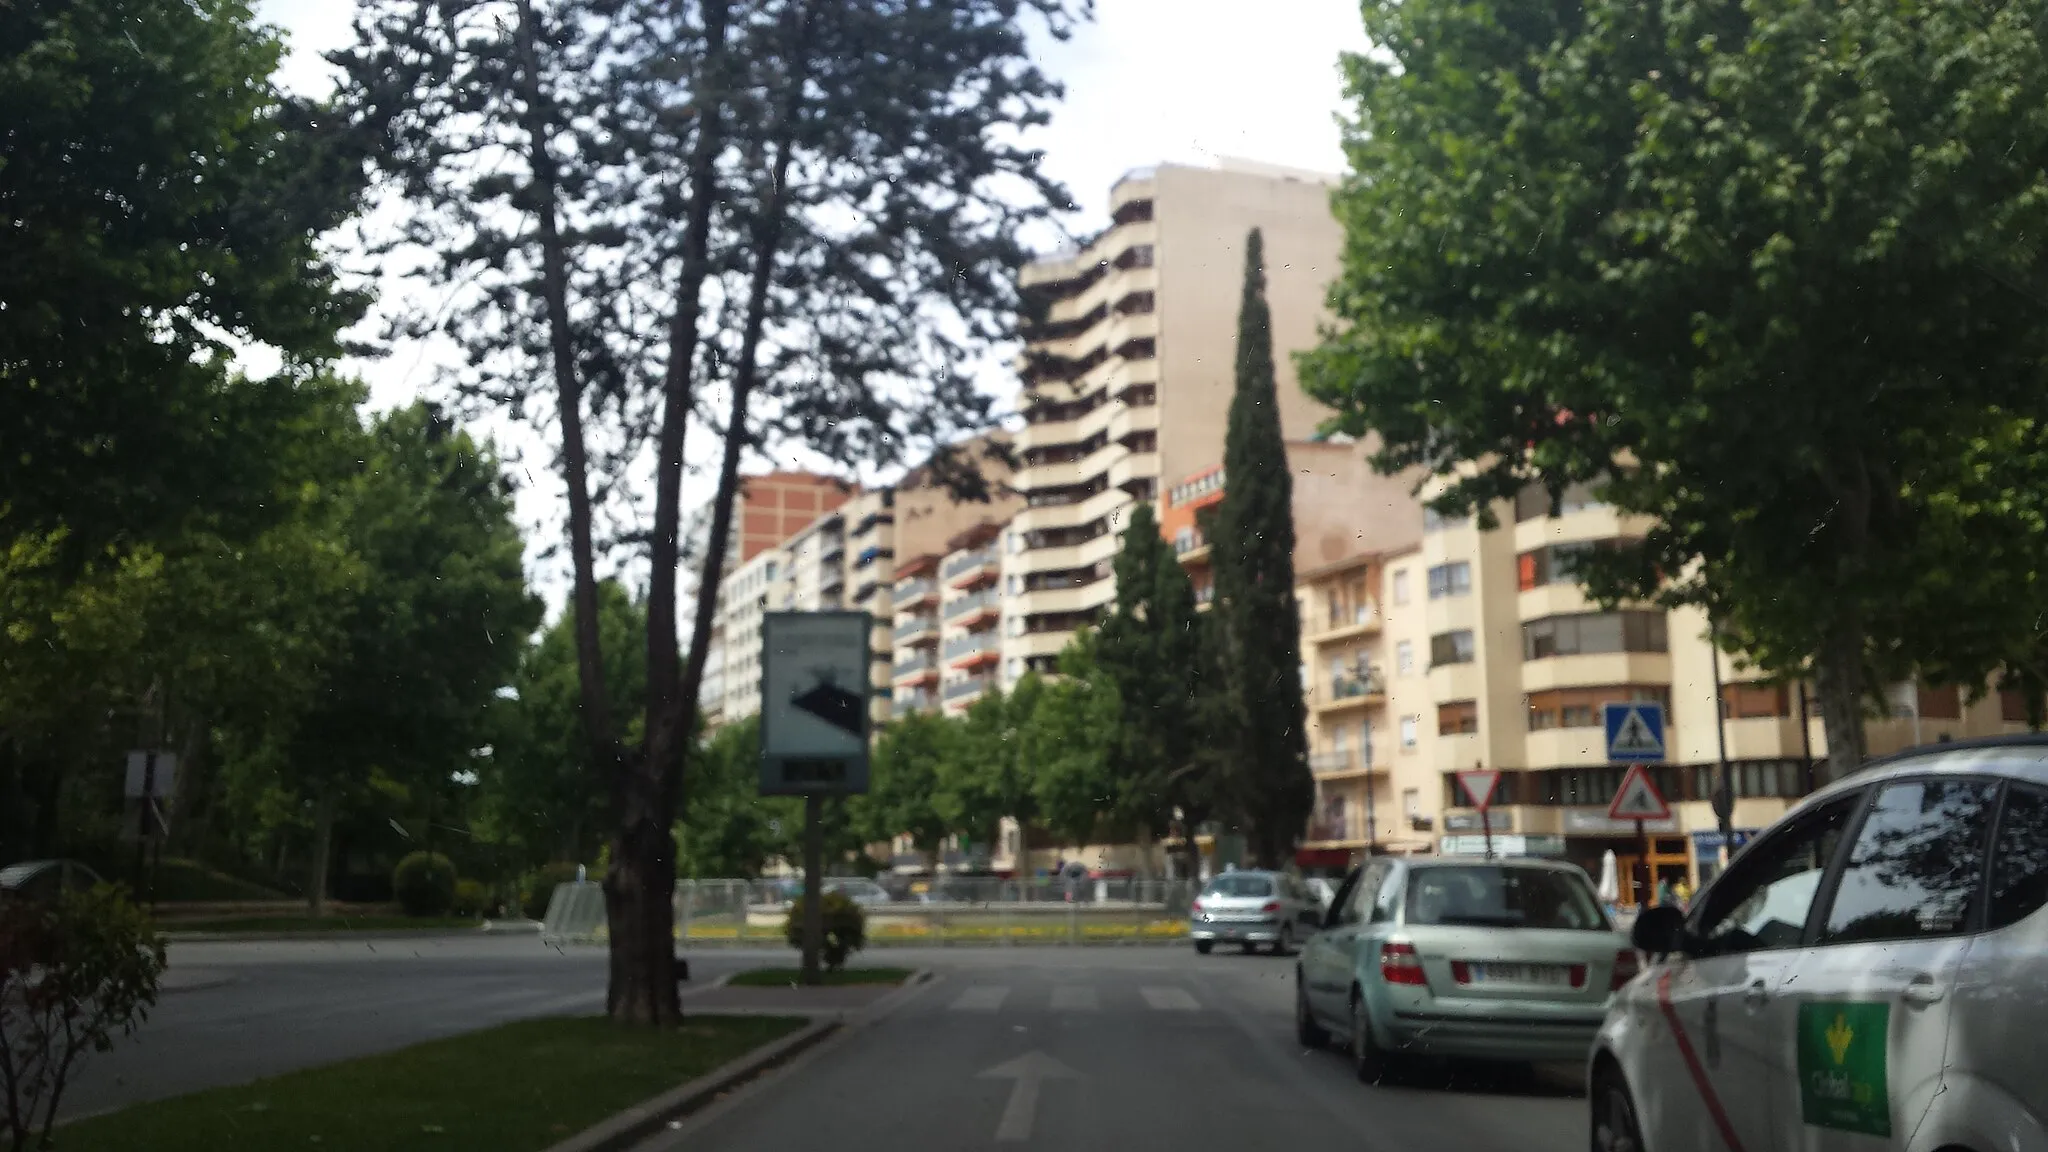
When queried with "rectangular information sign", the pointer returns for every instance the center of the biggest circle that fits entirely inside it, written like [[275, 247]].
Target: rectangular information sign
[[814, 703]]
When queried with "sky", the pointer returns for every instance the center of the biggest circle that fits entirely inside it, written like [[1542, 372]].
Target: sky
[[1148, 81]]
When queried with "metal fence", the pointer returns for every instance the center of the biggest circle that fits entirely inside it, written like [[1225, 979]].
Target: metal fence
[[948, 910]]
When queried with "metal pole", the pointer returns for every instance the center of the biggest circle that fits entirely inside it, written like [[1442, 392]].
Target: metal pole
[[1372, 832], [814, 884], [143, 822], [1649, 866], [1724, 786], [1806, 737]]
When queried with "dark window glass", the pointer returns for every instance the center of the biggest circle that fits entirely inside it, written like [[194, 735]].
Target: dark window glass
[[1917, 863], [1763, 900], [1340, 902], [2019, 865], [1502, 896], [1239, 884], [1451, 648]]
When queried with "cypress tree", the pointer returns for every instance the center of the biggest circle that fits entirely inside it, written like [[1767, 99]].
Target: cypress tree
[[1253, 549]]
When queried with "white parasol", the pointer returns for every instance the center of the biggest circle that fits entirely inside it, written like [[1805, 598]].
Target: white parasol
[[1610, 882]]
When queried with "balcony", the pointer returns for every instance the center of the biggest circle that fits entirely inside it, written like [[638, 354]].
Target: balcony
[[922, 700], [915, 667], [986, 600], [1342, 622], [968, 688], [1342, 764], [915, 626], [972, 646], [1354, 689], [913, 593], [969, 565]]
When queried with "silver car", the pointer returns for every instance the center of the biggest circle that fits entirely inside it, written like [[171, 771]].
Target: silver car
[[1869, 974], [1251, 908], [1458, 956]]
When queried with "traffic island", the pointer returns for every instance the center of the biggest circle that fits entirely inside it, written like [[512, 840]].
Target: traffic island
[[792, 977], [849, 996], [520, 1087]]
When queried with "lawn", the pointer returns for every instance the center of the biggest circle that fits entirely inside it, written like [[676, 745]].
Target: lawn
[[782, 977], [514, 1088], [316, 924]]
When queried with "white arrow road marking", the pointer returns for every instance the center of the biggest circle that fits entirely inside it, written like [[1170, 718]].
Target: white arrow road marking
[[1169, 999], [1026, 1073]]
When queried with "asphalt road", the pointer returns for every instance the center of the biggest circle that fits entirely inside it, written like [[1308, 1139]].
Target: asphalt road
[[235, 1012], [1075, 1049], [1118, 1049]]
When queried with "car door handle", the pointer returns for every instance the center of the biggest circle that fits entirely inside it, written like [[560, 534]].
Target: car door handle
[[1756, 993], [1922, 990]]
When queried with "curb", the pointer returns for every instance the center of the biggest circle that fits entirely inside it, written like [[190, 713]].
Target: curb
[[176, 937], [635, 1124]]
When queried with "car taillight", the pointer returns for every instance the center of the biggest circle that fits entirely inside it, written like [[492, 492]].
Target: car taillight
[[1461, 972], [1578, 972], [1626, 965], [1197, 906], [1400, 965], [1271, 906]]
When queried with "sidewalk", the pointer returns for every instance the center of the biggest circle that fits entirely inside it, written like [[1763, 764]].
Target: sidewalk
[[837, 1001]]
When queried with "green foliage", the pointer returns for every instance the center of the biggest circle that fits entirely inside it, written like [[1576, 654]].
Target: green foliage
[[538, 887], [1260, 623], [424, 884], [1754, 271], [472, 899], [987, 777], [74, 975], [846, 929], [905, 773], [728, 827], [1069, 738]]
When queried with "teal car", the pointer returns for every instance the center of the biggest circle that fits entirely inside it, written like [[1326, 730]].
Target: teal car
[[1503, 959]]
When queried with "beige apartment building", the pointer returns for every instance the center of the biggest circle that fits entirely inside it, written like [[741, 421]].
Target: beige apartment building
[[1128, 375]]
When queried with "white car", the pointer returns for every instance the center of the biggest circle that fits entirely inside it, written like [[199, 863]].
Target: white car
[[1870, 974]]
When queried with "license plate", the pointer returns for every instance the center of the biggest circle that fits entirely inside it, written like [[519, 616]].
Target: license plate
[[1541, 974]]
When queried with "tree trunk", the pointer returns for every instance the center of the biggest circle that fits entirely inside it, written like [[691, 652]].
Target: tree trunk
[[639, 892], [1838, 683], [323, 842]]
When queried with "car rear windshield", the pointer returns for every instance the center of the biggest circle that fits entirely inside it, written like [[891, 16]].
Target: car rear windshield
[[1239, 886], [1502, 896]]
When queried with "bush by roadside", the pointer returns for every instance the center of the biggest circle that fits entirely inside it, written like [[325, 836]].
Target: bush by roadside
[[845, 929], [424, 884]]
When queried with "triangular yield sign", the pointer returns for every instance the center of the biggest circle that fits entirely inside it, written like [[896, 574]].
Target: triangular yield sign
[[1638, 798], [1479, 785], [1635, 738]]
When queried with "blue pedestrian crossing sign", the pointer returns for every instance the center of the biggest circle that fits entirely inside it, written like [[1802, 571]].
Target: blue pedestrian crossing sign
[[1635, 732]]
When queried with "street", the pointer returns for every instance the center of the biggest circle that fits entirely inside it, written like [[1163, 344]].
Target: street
[[1071, 1048]]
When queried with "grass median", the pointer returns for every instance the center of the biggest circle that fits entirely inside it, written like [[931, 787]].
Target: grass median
[[784, 977], [314, 925], [514, 1088]]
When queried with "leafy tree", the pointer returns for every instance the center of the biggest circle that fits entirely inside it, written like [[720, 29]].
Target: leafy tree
[[1254, 561], [162, 201], [1752, 270], [1151, 650], [1068, 738], [728, 828], [988, 778], [906, 772], [814, 204]]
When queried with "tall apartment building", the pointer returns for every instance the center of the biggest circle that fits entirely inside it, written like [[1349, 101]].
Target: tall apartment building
[[1476, 649], [1128, 371], [774, 506]]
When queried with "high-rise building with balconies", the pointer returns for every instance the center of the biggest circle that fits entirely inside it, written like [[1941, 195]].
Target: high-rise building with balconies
[[1129, 369]]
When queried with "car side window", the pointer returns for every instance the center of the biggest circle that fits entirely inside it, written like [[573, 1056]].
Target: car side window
[[1388, 895], [1763, 900], [2019, 860], [1340, 904], [1917, 864], [1358, 909]]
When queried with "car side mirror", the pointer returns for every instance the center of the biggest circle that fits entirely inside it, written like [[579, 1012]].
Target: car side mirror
[[1659, 931]]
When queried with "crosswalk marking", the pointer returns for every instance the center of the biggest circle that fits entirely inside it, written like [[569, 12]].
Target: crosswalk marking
[[1169, 999], [981, 998], [1074, 998]]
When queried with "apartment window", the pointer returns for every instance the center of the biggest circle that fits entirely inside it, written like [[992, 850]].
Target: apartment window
[[1556, 564], [1457, 718], [1754, 701], [1941, 702], [1411, 803], [1408, 726], [1535, 501], [1454, 579], [1451, 648], [1587, 633], [1401, 586], [2012, 706], [1434, 521], [1404, 657], [1584, 707]]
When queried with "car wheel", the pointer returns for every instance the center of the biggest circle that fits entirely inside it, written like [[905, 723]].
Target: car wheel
[[1249, 947], [1284, 946], [1307, 1032], [1615, 1128], [1368, 1060], [1203, 946]]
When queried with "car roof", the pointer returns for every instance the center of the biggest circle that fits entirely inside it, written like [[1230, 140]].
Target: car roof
[[1425, 862], [2018, 757]]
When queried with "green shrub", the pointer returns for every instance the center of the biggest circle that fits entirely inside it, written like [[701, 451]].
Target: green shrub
[[73, 976], [424, 884], [539, 886], [472, 898], [846, 929]]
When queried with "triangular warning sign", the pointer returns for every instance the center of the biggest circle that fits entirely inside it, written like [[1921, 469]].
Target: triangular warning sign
[[1479, 785], [1635, 739], [1638, 798]]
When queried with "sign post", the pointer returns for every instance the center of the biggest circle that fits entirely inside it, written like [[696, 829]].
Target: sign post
[[1479, 786], [150, 778], [814, 732], [1635, 736]]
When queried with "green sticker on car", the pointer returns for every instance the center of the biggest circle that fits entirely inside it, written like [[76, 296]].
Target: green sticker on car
[[1842, 1081]]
